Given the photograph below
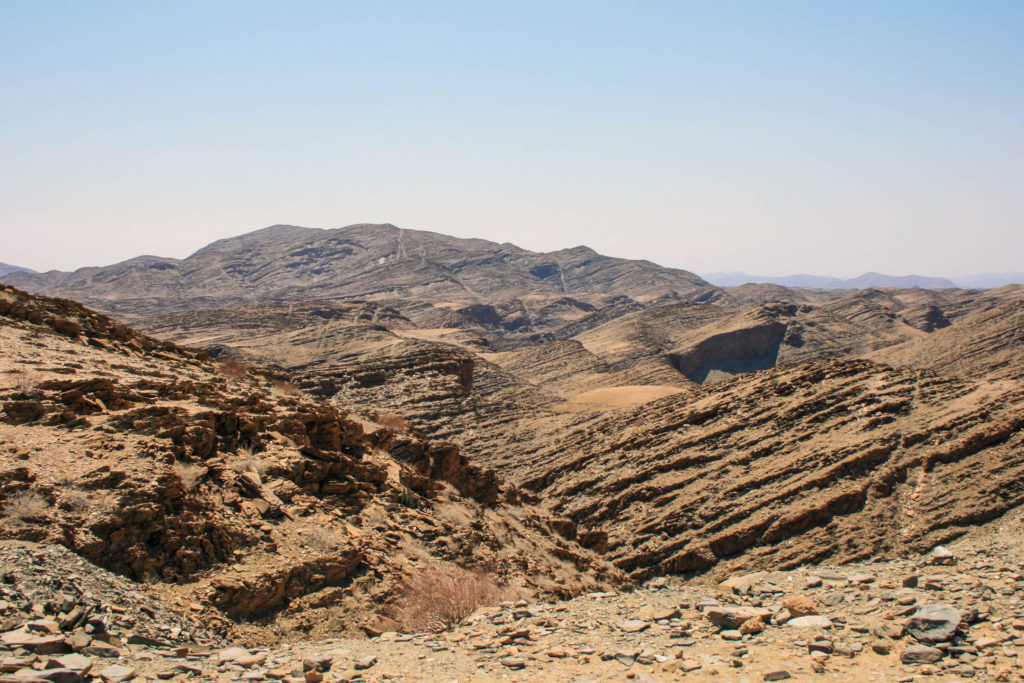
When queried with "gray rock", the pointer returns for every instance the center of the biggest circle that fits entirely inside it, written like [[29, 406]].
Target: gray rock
[[59, 675], [920, 654], [117, 672], [941, 555], [365, 662], [777, 675], [632, 625], [810, 621], [934, 623], [231, 654], [733, 617]]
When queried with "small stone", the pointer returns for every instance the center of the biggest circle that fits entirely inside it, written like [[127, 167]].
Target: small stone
[[231, 654], [317, 663], [632, 625], [881, 648], [777, 675], [940, 555], [513, 662], [800, 605], [690, 665], [920, 654], [75, 662], [117, 672], [810, 621], [365, 662], [752, 626]]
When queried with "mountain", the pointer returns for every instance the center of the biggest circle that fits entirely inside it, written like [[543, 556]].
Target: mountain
[[288, 263], [880, 280], [6, 269], [989, 280]]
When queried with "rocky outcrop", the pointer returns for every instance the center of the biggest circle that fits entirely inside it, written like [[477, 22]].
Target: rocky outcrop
[[839, 460], [230, 489], [987, 344]]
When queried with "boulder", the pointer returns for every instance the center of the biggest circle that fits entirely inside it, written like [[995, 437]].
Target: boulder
[[935, 623]]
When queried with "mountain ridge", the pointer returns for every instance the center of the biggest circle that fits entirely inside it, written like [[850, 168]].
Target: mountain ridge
[[289, 263]]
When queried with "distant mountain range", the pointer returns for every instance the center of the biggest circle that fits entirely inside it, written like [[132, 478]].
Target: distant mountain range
[[877, 280], [286, 263], [6, 268]]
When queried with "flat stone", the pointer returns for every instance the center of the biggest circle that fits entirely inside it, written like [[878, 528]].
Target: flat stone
[[777, 675], [117, 672], [365, 662], [60, 675], [231, 654], [810, 621], [632, 625], [733, 617], [920, 654], [75, 662], [934, 623], [513, 662]]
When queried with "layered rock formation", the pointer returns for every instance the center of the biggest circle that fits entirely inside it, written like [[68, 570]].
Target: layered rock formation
[[233, 490], [840, 459]]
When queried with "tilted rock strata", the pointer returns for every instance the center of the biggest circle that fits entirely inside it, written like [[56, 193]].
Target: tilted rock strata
[[840, 460], [229, 488]]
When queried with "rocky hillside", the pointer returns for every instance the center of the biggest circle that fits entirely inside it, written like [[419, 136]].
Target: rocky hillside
[[842, 460], [287, 263], [234, 494], [986, 344]]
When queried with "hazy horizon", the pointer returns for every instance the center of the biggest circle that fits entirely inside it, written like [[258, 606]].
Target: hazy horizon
[[790, 138]]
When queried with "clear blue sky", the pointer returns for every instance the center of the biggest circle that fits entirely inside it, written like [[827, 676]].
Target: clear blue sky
[[771, 137]]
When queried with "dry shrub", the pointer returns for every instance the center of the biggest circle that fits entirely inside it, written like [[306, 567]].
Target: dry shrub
[[285, 387], [395, 423], [190, 475], [454, 514], [231, 368], [321, 539], [76, 500], [441, 596], [28, 382], [26, 506]]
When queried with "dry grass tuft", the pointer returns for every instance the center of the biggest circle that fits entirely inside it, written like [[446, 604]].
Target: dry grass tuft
[[27, 382], [440, 597], [231, 368], [284, 387], [321, 539], [190, 475], [395, 423], [26, 506]]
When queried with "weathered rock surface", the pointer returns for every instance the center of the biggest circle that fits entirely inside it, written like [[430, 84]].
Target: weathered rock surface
[[788, 467]]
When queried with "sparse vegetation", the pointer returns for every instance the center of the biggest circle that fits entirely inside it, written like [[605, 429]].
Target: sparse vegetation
[[441, 596], [75, 500], [407, 497], [24, 507], [321, 539], [284, 387], [27, 382], [231, 368], [395, 423], [190, 475]]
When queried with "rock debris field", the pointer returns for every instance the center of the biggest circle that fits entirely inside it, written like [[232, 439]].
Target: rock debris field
[[953, 614]]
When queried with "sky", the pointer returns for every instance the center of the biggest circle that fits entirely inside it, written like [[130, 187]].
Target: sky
[[830, 138]]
